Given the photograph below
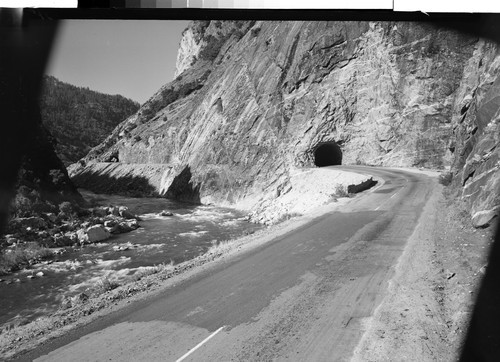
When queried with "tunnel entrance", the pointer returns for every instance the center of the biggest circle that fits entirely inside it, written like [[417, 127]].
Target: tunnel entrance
[[327, 154]]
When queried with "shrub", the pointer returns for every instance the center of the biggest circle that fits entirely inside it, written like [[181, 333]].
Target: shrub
[[212, 48], [255, 32], [105, 285], [23, 190], [341, 191], [445, 178], [66, 207], [146, 271], [287, 216], [40, 206], [58, 178], [21, 256], [22, 206]]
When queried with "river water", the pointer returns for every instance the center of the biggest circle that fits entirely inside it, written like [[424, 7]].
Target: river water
[[190, 232]]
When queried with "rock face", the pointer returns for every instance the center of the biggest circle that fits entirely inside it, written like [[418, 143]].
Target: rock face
[[476, 125], [255, 101]]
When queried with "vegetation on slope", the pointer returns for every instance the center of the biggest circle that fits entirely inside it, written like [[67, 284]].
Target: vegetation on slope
[[80, 118]]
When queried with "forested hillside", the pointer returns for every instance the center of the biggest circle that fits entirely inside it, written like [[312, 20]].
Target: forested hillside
[[80, 118]]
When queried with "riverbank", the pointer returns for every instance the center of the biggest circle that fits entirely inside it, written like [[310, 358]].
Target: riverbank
[[39, 237], [86, 308], [77, 272], [328, 194]]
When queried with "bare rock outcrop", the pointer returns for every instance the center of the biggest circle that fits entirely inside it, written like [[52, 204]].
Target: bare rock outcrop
[[476, 131], [255, 100]]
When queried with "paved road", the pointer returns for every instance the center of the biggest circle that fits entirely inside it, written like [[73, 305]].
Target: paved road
[[303, 296]]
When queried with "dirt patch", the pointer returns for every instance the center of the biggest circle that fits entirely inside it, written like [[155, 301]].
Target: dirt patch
[[425, 314], [463, 252], [309, 189]]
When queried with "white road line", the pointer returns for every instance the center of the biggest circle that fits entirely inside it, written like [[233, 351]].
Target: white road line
[[389, 199], [200, 344]]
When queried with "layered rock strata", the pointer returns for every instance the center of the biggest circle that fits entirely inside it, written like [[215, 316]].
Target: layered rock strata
[[253, 101], [476, 131]]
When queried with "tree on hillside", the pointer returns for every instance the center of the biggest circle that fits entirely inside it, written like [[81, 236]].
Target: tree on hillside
[[79, 118]]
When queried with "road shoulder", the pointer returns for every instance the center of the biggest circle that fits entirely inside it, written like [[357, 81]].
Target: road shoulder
[[429, 300]]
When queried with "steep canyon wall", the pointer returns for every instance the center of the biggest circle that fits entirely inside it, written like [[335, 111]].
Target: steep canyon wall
[[252, 100]]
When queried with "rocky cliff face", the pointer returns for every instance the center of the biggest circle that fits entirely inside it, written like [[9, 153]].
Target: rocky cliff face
[[255, 101], [476, 131]]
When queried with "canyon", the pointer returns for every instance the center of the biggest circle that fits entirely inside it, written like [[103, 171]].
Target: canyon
[[255, 110], [254, 102]]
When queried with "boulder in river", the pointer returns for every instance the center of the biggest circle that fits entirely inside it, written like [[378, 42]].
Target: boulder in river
[[93, 234], [128, 225], [100, 211], [166, 213], [68, 226], [132, 223], [119, 227], [114, 211], [125, 213], [64, 239], [110, 223], [73, 236]]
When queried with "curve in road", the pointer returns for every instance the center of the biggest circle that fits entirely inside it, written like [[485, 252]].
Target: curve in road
[[303, 296]]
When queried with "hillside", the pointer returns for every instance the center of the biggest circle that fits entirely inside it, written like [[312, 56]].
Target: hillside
[[254, 102], [80, 118]]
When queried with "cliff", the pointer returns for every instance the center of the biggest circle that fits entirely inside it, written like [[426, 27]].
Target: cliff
[[255, 101], [476, 133]]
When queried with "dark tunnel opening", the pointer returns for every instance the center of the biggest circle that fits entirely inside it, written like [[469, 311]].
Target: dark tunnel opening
[[328, 154]]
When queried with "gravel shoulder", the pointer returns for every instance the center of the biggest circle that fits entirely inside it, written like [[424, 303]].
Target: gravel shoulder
[[429, 301]]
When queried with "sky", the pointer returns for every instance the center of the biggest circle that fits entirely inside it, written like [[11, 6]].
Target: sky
[[133, 58]]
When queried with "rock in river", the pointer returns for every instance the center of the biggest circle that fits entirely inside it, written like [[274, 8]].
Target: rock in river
[[110, 223], [125, 213], [93, 234]]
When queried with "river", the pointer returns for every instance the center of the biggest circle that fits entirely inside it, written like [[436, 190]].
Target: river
[[173, 239]]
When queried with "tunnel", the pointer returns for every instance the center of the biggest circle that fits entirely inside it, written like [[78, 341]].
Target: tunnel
[[327, 154]]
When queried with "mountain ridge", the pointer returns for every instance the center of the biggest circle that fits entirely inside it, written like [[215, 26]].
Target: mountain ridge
[[78, 117]]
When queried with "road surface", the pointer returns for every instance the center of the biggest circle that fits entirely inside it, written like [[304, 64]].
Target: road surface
[[304, 296]]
